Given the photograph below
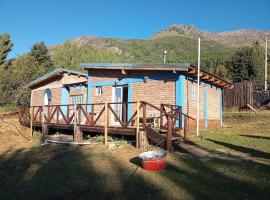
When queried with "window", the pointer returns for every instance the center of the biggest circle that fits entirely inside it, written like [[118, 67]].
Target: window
[[192, 92], [76, 99], [47, 97], [98, 90]]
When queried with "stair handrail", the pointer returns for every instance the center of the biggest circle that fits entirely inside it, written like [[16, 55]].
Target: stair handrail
[[155, 107]]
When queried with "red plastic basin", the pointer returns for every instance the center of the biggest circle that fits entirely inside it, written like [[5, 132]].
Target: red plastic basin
[[153, 160]]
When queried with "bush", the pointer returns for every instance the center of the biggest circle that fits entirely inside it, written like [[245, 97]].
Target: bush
[[11, 107]]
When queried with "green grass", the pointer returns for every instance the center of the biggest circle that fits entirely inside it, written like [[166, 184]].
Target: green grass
[[8, 108], [244, 132]]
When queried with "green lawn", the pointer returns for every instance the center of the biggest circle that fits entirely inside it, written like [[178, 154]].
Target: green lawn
[[93, 172], [244, 132]]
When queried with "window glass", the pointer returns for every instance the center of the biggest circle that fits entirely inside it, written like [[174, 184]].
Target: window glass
[[98, 90]]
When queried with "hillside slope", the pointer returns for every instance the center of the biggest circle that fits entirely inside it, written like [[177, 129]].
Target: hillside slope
[[179, 40], [230, 38]]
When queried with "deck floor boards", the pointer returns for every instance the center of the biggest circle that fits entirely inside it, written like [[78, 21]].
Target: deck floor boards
[[87, 128]]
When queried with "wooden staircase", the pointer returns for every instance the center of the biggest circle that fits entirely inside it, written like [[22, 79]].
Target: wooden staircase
[[170, 127], [159, 136]]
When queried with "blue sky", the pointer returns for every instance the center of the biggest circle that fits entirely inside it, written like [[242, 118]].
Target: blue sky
[[53, 21]]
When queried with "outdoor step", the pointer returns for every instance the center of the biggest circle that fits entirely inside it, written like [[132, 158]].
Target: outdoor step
[[173, 137], [155, 136]]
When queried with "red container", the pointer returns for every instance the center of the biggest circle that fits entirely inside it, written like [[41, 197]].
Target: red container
[[153, 160]]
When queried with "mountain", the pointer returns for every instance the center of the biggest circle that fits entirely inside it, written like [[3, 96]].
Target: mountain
[[179, 40], [231, 38]]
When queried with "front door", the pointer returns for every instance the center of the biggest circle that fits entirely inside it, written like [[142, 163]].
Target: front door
[[117, 98]]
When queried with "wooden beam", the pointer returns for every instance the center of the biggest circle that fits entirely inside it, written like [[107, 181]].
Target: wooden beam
[[211, 79], [123, 71], [218, 82], [223, 84], [205, 77], [169, 134], [193, 71]]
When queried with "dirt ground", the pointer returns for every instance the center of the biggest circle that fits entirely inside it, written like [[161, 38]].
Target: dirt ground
[[12, 135]]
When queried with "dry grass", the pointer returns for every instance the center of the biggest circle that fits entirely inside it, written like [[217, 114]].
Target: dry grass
[[11, 132], [94, 172]]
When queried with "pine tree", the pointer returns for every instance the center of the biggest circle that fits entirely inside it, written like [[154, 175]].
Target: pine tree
[[40, 52], [5, 47], [246, 63]]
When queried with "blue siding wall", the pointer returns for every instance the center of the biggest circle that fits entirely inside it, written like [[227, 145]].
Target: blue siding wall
[[179, 95], [89, 88]]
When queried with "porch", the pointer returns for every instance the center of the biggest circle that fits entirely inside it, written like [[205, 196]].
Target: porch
[[161, 125]]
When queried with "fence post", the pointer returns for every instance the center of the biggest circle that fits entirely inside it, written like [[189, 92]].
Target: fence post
[[106, 124]]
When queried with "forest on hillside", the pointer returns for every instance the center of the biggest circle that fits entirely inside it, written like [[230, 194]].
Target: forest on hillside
[[234, 64]]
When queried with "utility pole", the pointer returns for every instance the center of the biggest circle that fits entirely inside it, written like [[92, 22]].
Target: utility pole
[[198, 87], [265, 66]]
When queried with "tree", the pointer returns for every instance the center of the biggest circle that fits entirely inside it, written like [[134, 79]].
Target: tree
[[258, 59], [222, 71], [40, 52], [246, 63], [5, 47], [13, 80]]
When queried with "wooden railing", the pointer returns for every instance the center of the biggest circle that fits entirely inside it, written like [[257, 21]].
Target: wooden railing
[[166, 117]]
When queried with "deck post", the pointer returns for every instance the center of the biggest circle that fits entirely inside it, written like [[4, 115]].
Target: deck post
[[31, 120], [45, 128], [106, 122], [186, 128], [138, 138], [169, 134], [180, 116], [75, 123], [161, 116]]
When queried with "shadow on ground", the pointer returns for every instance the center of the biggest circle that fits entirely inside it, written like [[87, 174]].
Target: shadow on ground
[[256, 136], [250, 151], [69, 172]]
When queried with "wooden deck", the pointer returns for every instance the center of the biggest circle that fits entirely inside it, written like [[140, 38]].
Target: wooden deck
[[161, 124]]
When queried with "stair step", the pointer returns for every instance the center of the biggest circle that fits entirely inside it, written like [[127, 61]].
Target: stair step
[[174, 137], [154, 135]]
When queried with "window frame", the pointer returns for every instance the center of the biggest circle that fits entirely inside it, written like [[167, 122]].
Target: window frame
[[76, 96]]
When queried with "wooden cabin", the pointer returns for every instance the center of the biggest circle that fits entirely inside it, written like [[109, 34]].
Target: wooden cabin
[[61, 86], [173, 84], [153, 100]]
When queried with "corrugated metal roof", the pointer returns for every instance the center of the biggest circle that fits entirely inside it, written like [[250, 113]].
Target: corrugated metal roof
[[55, 72], [136, 66]]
